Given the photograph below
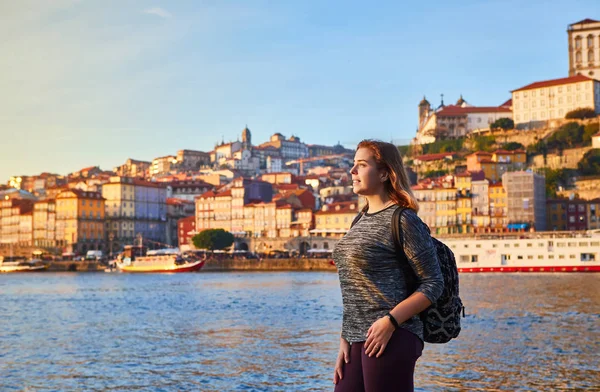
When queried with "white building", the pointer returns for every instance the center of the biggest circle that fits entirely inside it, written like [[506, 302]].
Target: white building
[[274, 165], [584, 48], [454, 121], [553, 99], [162, 165]]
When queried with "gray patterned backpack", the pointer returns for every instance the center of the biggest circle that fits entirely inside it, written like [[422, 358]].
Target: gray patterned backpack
[[441, 321]]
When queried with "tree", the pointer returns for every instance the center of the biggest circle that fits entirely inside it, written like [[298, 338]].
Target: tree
[[555, 179], [588, 131], [590, 163], [213, 239], [484, 143], [512, 146], [567, 136], [503, 123], [581, 113]]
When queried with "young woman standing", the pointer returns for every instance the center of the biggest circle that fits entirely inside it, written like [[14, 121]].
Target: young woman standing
[[382, 335]]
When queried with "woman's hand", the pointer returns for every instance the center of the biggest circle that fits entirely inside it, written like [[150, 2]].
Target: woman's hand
[[378, 337], [343, 357]]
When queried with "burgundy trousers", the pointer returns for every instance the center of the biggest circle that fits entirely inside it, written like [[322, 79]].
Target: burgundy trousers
[[392, 371]]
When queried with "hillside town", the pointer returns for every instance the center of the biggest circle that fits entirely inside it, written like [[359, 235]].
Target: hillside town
[[531, 163]]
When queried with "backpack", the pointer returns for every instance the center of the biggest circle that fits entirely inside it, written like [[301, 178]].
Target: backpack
[[441, 321]]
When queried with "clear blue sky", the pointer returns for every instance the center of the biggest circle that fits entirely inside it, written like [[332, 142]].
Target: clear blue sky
[[95, 82]]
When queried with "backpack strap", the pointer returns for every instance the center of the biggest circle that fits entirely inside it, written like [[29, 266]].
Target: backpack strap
[[409, 274], [357, 218]]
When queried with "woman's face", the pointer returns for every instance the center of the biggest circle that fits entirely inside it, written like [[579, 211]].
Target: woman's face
[[367, 179]]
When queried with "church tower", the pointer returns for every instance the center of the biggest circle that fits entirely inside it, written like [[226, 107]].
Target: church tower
[[424, 110], [246, 138]]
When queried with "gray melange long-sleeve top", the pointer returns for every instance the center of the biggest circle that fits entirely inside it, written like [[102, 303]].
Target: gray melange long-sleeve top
[[371, 278]]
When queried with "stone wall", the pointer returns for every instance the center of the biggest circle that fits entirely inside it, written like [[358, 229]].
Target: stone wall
[[269, 265], [568, 159]]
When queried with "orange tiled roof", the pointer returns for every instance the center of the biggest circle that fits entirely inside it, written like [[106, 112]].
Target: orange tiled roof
[[452, 110], [554, 82]]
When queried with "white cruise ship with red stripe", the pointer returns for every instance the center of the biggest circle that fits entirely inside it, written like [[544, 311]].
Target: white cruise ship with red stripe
[[528, 252]]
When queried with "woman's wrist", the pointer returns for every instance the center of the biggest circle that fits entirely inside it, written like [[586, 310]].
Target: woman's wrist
[[392, 320]]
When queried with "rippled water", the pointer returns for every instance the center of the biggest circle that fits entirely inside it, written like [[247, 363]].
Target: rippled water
[[279, 331]]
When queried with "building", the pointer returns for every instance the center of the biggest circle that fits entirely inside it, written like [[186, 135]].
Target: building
[[186, 229], [191, 159], [596, 140], [553, 99], [498, 214], [225, 151], [278, 178], [274, 164], [80, 221], [525, 200], [334, 220], [11, 211], [454, 121], [425, 194], [593, 214], [445, 208], [480, 204], [176, 210], [135, 209], [495, 164], [163, 165], [44, 223], [570, 214], [187, 189], [26, 229], [291, 148], [133, 168], [556, 214], [584, 48]]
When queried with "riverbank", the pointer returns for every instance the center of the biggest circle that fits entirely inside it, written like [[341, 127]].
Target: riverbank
[[214, 265], [269, 265]]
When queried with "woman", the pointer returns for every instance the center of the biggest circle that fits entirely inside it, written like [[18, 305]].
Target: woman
[[382, 335]]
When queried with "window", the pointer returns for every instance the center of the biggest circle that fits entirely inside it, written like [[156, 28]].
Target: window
[[590, 41], [578, 43], [591, 56]]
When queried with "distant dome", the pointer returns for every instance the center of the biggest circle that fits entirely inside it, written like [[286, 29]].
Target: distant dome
[[424, 102], [460, 101]]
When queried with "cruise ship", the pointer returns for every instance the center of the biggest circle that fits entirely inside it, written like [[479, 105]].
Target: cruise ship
[[527, 252]]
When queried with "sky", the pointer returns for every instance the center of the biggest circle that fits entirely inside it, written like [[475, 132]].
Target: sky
[[95, 82]]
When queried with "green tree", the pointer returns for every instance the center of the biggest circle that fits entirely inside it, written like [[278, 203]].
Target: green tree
[[503, 123], [484, 143], [512, 146], [588, 131], [590, 163], [568, 135], [450, 145], [555, 179], [435, 173], [213, 239], [581, 113], [404, 150]]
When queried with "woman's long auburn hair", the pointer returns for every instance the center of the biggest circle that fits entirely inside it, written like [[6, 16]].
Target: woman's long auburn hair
[[387, 157]]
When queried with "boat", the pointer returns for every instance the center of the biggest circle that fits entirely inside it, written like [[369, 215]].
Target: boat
[[134, 260], [527, 252], [8, 264]]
